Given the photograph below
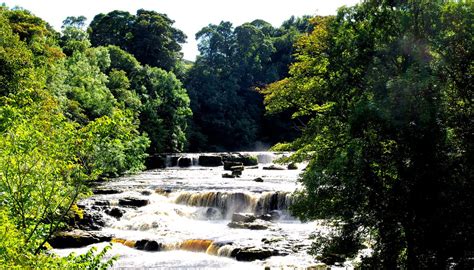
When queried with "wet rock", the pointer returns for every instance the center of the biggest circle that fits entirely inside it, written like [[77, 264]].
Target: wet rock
[[90, 221], [185, 162], [319, 266], [252, 254], [274, 168], [237, 173], [102, 203], [226, 175], [247, 225], [133, 202], [77, 238], [228, 165], [115, 212], [173, 161], [155, 162], [292, 166], [243, 217], [146, 192], [210, 161], [258, 179], [148, 245], [104, 191], [162, 191], [212, 213]]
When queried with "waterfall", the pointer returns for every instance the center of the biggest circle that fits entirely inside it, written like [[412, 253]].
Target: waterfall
[[230, 203]]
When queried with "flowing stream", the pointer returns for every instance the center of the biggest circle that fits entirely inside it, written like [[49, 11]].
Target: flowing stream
[[188, 213]]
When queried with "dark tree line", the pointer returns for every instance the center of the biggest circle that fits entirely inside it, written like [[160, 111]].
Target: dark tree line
[[222, 83]]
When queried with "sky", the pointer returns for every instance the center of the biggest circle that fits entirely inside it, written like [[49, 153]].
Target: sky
[[190, 16]]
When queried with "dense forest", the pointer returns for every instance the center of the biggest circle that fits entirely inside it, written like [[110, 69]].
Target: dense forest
[[378, 99]]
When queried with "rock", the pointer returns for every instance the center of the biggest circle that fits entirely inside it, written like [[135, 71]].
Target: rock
[[246, 225], [77, 238], [318, 266], [148, 245], [90, 221], [102, 203], [146, 193], [162, 191], [245, 159], [226, 175], [243, 217], [173, 161], [237, 173], [292, 166], [252, 254], [133, 202], [258, 179], [101, 191], [210, 161], [229, 164], [252, 167], [155, 162], [115, 212], [274, 168], [239, 168], [185, 162]]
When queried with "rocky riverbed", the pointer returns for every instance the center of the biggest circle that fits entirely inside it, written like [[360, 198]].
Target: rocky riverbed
[[201, 211]]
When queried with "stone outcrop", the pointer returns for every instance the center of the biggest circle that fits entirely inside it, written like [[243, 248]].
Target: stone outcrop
[[77, 238], [133, 202]]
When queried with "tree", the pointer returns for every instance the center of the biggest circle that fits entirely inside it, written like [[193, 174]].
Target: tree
[[231, 65], [379, 138], [148, 35]]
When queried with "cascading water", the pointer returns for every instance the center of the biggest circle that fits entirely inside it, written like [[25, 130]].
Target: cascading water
[[192, 217]]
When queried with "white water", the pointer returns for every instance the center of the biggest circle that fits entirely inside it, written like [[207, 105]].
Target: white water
[[170, 223]]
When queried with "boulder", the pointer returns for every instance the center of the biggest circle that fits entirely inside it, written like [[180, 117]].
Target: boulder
[[292, 166], [247, 225], [237, 173], [146, 192], [228, 165], [162, 191], [90, 221], [210, 161], [243, 217], [173, 161], [318, 266], [102, 203], [77, 238], [258, 179], [274, 168], [252, 254], [185, 162], [245, 159], [148, 245], [104, 191], [115, 212], [133, 202], [226, 175], [155, 162]]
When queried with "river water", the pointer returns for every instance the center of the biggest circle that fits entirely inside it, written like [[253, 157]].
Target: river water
[[189, 211]]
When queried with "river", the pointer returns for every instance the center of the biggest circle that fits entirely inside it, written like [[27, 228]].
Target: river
[[188, 213]]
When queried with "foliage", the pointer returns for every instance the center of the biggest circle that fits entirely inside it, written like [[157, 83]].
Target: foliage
[[233, 62], [148, 35], [387, 87]]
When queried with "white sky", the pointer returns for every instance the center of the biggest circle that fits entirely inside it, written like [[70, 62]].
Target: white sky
[[189, 15]]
